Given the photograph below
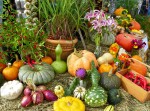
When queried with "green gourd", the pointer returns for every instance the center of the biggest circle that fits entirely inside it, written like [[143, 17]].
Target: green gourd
[[39, 74], [96, 95], [59, 65], [109, 80], [114, 96]]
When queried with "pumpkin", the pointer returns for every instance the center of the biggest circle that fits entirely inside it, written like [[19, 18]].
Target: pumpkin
[[124, 40], [114, 96], [2, 66], [95, 96], [138, 67], [137, 57], [59, 91], [80, 59], [39, 73], [105, 58], [108, 39], [18, 63], [135, 25], [47, 59], [68, 103], [79, 92], [109, 108], [10, 72], [11, 90], [120, 11], [104, 68], [109, 80]]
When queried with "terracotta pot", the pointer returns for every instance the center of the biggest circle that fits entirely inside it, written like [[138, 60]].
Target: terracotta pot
[[67, 47]]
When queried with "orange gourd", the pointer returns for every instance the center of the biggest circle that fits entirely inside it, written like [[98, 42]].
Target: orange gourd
[[135, 25], [2, 66], [47, 60], [18, 63], [120, 11], [80, 59], [10, 72], [137, 57], [104, 68], [138, 67]]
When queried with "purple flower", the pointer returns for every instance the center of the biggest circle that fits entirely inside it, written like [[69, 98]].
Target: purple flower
[[138, 44]]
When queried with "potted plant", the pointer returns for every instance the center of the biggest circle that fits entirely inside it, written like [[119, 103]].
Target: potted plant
[[62, 19]]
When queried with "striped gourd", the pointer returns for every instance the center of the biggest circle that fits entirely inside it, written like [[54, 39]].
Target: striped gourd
[[109, 108]]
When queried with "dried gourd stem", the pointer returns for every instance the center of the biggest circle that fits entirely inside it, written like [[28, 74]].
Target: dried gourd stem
[[77, 53], [17, 59], [9, 65], [110, 72]]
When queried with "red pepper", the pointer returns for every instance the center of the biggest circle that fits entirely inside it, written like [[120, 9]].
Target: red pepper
[[142, 80], [148, 88]]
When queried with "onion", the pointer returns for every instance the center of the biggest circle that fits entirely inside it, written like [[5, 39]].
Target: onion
[[41, 88], [37, 97], [27, 91], [26, 101], [49, 95]]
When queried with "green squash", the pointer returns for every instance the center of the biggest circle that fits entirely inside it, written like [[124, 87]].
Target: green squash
[[114, 96], [40, 74], [109, 108], [110, 81], [2, 80], [96, 95]]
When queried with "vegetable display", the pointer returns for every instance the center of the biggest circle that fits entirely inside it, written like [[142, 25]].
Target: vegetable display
[[80, 59], [138, 79], [104, 68], [59, 91], [79, 92], [96, 95], [39, 73], [69, 103], [109, 80], [11, 90], [105, 58], [59, 65]]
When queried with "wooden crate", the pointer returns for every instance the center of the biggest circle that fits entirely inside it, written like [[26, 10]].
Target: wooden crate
[[133, 89]]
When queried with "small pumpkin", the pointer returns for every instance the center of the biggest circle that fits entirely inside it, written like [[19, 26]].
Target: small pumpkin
[[11, 90], [10, 72], [39, 73], [105, 58], [80, 59], [109, 108], [135, 25], [18, 63], [59, 91], [104, 68], [79, 92], [114, 96], [109, 80], [47, 59], [2, 66], [124, 40], [120, 11], [137, 57], [138, 67], [68, 103]]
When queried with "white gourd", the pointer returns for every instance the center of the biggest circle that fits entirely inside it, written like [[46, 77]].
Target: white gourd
[[11, 90], [79, 92], [105, 58]]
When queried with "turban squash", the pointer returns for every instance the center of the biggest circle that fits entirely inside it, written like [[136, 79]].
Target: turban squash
[[80, 59]]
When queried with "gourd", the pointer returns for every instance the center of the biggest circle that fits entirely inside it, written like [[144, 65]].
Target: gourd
[[114, 96], [10, 72], [79, 92], [135, 25], [80, 59], [59, 91], [109, 80], [125, 41], [109, 108], [105, 58], [11, 90], [68, 103], [2, 66], [108, 39], [104, 68], [96, 95], [120, 11], [18, 63], [39, 73], [47, 59], [138, 67], [59, 65]]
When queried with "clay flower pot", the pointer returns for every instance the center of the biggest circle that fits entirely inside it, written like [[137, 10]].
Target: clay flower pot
[[67, 47]]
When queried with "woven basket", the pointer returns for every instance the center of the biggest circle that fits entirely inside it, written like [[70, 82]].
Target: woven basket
[[67, 47]]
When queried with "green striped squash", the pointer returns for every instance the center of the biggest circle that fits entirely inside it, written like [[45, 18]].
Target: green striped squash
[[109, 108], [40, 74], [108, 39]]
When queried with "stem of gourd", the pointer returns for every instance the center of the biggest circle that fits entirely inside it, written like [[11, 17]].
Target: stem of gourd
[[110, 72], [17, 59], [77, 53], [9, 65]]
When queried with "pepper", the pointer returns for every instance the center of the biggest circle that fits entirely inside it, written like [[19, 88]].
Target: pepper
[[142, 80]]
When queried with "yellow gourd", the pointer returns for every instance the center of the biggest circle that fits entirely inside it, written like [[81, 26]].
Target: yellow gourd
[[104, 68], [68, 103], [105, 58], [59, 91]]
